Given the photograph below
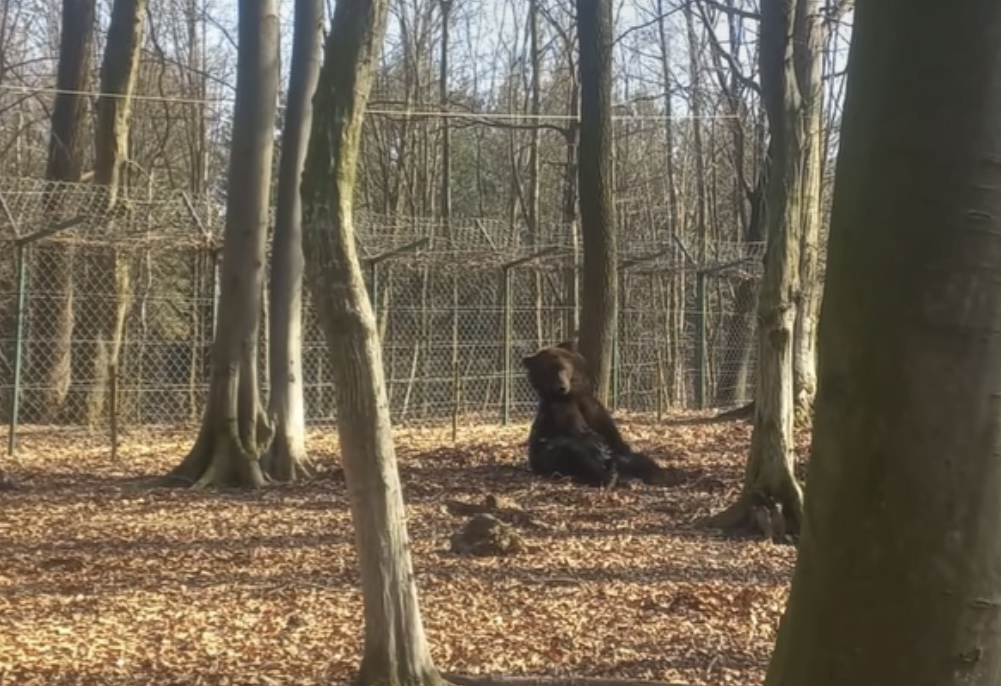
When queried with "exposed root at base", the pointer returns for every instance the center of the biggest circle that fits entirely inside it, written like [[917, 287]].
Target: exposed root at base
[[216, 460], [754, 516], [283, 464]]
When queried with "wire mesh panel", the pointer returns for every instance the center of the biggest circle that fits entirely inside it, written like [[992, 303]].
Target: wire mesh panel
[[457, 305]]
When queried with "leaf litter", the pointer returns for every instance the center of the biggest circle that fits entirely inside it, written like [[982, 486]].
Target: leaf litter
[[106, 581]]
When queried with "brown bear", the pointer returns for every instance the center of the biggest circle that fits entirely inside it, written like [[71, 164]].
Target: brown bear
[[573, 434]]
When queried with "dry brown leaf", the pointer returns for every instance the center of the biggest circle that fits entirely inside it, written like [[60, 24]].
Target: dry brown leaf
[[106, 581]]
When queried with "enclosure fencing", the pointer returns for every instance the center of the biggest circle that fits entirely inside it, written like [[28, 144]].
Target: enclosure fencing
[[457, 305]]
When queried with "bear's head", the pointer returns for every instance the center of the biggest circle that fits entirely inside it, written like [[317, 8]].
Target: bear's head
[[557, 371]]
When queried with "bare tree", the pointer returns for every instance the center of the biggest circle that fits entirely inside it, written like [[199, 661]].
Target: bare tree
[[811, 36], [896, 580], [100, 318], [286, 459], [597, 207], [771, 499], [235, 431], [396, 649], [51, 356]]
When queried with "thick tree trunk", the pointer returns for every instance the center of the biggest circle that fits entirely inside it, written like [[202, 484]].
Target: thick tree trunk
[[770, 482], [100, 316], [597, 206], [287, 459], [396, 651], [50, 368], [808, 44], [235, 431], [897, 578]]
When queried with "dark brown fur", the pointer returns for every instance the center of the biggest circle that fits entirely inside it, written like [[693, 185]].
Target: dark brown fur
[[568, 410]]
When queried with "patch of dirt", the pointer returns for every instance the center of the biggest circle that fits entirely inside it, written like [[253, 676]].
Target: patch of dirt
[[104, 581]]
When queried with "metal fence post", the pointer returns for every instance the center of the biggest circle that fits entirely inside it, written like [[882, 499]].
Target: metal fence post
[[700, 339], [623, 267], [18, 347], [21, 244], [507, 345], [507, 296], [613, 399], [216, 291]]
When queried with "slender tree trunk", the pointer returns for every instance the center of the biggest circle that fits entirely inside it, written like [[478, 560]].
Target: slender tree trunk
[[570, 214], [734, 378], [535, 162], [446, 205], [100, 316], [897, 577], [235, 432], [770, 487], [701, 229], [287, 459], [739, 334], [597, 206], [50, 368], [675, 218], [808, 43], [396, 649]]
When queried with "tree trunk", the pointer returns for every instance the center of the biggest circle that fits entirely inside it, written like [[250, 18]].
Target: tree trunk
[[287, 459], [738, 336], [396, 651], [535, 164], [446, 206], [771, 499], [897, 578], [235, 431], [100, 315], [675, 219], [808, 44], [570, 202], [699, 323], [597, 206], [50, 368]]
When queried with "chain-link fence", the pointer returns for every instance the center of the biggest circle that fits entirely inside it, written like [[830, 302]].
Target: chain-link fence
[[457, 306]]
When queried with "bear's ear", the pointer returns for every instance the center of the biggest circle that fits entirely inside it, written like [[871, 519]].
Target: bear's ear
[[568, 345], [527, 360]]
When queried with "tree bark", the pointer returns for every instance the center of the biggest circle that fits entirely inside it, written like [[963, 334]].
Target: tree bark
[[599, 313], [700, 313], [535, 164], [897, 575], [808, 42], [396, 651], [51, 356], [101, 312], [235, 432], [769, 480], [287, 459]]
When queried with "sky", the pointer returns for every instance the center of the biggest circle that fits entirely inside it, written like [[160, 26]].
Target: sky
[[494, 30]]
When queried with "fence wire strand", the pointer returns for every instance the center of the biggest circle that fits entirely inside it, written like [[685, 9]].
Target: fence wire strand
[[456, 310]]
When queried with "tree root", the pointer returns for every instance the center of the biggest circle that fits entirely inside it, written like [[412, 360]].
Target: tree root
[[504, 510], [282, 463], [501, 680], [755, 515], [216, 460]]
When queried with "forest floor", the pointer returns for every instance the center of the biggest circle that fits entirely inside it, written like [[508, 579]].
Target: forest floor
[[103, 581]]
